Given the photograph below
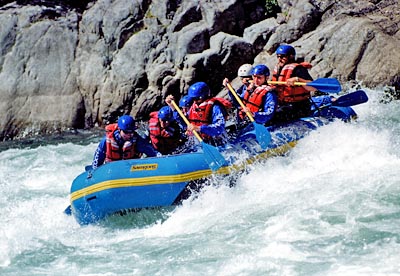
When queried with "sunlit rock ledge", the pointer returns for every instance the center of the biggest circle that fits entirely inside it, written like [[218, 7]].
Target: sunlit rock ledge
[[80, 64]]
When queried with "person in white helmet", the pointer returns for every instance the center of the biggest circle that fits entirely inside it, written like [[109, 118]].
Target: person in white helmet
[[244, 73]]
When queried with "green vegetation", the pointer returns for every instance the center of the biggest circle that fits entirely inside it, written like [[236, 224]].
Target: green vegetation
[[271, 8]]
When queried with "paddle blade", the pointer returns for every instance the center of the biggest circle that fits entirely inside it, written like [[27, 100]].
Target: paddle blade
[[68, 210], [262, 135], [328, 85], [353, 98], [213, 157]]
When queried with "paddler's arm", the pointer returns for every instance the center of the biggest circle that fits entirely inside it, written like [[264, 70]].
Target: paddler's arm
[[217, 127], [301, 74], [99, 154], [144, 146], [269, 109]]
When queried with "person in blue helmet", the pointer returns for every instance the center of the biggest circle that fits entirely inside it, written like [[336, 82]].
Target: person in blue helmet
[[293, 100], [206, 114], [258, 97], [184, 103], [121, 142], [166, 134]]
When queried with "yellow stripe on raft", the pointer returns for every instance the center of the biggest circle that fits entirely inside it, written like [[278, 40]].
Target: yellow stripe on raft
[[142, 181], [178, 178]]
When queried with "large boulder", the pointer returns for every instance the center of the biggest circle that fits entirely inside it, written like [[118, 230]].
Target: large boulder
[[39, 91], [78, 64], [349, 46]]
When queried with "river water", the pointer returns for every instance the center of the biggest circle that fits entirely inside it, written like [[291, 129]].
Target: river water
[[329, 207]]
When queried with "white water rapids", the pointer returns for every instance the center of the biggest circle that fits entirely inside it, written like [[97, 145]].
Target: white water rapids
[[330, 207]]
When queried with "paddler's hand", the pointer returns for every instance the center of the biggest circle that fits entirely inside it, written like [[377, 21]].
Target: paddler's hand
[[169, 99], [291, 81], [225, 82], [246, 109], [192, 127]]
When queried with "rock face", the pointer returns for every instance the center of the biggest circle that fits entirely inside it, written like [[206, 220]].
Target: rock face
[[76, 64]]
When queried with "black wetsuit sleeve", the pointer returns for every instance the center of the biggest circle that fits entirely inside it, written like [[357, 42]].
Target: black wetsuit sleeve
[[302, 73]]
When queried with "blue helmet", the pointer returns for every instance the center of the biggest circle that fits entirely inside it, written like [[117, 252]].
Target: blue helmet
[[165, 114], [126, 123], [185, 101], [260, 69], [286, 50], [199, 90]]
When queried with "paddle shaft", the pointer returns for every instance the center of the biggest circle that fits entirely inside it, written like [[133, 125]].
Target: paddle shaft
[[186, 120], [262, 134], [284, 82], [211, 154], [329, 85], [248, 113]]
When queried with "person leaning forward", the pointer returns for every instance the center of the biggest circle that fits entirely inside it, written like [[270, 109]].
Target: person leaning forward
[[121, 142], [165, 132], [206, 114], [184, 103]]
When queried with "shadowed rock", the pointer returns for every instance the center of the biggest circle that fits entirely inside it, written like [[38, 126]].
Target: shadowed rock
[[78, 64]]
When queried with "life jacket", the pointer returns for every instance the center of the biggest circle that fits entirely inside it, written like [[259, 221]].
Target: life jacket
[[113, 151], [254, 100], [290, 94], [226, 104], [164, 140], [202, 114]]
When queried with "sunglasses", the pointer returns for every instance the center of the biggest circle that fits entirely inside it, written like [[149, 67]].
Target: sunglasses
[[128, 131], [281, 56]]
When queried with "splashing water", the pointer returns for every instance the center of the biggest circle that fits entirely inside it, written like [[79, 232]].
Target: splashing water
[[329, 207]]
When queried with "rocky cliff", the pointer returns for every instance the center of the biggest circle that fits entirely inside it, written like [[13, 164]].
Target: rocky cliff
[[76, 64]]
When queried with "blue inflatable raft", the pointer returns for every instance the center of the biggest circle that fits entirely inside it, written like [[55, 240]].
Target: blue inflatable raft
[[127, 185]]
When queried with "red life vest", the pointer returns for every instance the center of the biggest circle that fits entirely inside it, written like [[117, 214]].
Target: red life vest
[[202, 114], [254, 100], [162, 140], [113, 151], [225, 103], [290, 94]]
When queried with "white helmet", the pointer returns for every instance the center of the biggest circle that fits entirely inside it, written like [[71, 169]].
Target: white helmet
[[245, 70]]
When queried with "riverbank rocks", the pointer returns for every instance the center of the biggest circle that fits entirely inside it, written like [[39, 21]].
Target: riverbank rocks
[[79, 64]]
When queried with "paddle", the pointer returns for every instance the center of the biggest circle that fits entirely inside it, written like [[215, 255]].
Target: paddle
[[353, 98], [262, 134], [213, 157], [329, 85], [68, 210]]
